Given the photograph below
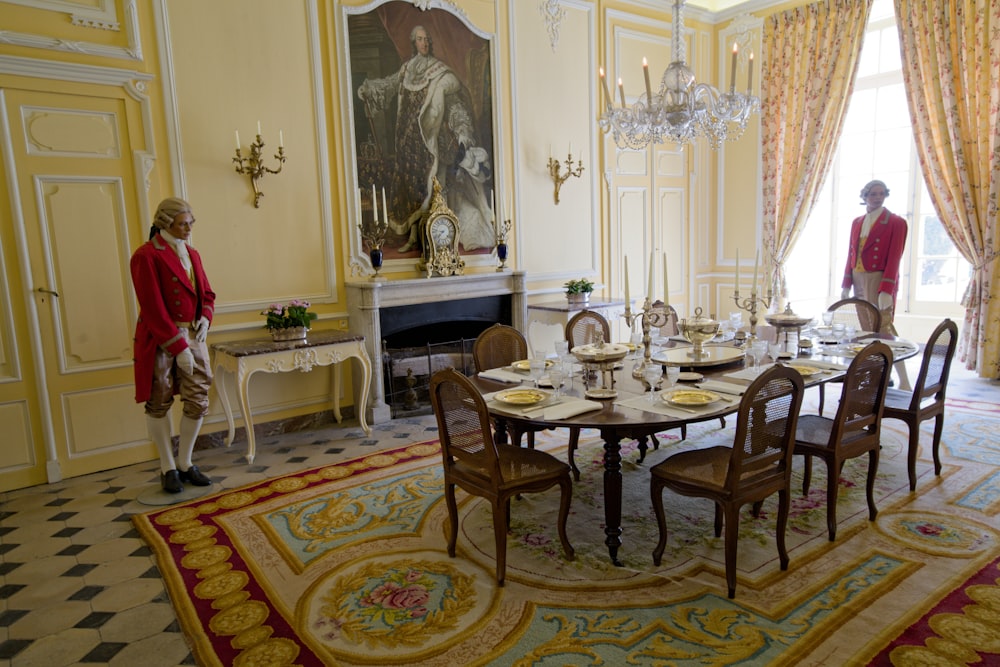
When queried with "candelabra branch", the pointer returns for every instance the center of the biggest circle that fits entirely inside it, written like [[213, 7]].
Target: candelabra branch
[[750, 304], [648, 317], [254, 167], [373, 235], [558, 177]]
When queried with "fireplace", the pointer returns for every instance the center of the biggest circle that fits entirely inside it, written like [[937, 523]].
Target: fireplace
[[413, 313]]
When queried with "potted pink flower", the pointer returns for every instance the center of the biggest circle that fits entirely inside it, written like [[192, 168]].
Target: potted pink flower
[[289, 322]]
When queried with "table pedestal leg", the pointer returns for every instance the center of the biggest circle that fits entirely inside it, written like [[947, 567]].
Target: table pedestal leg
[[613, 494]]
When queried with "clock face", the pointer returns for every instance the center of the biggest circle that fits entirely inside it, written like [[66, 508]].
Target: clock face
[[442, 232]]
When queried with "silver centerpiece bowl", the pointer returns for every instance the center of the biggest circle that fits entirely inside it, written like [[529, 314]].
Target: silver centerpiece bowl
[[698, 330]]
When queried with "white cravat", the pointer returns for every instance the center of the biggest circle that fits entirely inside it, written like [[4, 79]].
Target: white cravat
[[870, 219], [180, 247]]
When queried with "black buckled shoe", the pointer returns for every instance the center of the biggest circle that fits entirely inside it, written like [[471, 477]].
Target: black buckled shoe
[[171, 481], [195, 476]]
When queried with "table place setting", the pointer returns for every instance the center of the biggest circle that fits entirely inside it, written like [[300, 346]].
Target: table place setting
[[664, 407], [823, 365], [540, 404], [723, 387], [895, 345], [750, 374]]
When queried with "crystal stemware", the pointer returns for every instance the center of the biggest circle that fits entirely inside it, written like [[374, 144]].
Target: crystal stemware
[[556, 377], [652, 374]]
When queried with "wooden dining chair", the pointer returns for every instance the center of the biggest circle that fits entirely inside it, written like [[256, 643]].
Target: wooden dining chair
[[854, 431], [498, 346], [584, 327], [926, 400], [758, 465], [481, 467], [857, 313]]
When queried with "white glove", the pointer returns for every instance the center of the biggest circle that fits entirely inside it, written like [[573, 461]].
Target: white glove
[[201, 330], [185, 362], [884, 301], [845, 293]]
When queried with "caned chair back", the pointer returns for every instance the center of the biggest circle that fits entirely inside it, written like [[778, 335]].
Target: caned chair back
[[584, 327], [499, 346], [862, 401], [765, 432], [861, 314], [464, 427], [936, 364], [670, 328]]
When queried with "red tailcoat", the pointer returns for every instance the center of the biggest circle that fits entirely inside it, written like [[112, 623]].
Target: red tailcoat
[[166, 296], [883, 250]]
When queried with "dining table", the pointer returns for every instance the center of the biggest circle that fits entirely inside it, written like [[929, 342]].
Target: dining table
[[629, 414]]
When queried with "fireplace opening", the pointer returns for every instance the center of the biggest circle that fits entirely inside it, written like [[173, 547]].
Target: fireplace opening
[[419, 339]]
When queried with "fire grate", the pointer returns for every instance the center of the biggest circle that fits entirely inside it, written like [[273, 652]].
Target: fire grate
[[408, 372]]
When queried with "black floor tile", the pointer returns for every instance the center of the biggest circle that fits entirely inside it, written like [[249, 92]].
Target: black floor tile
[[12, 647], [103, 652], [95, 620], [87, 593]]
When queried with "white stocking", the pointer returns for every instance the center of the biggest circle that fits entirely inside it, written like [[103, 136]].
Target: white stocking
[[189, 433], [159, 433]]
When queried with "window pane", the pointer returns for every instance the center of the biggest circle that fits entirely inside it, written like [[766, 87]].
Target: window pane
[[889, 50], [881, 9], [890, 109], [868, 63], [861, 112]]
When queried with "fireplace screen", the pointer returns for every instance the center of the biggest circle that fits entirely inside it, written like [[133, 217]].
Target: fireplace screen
[[408, 372]]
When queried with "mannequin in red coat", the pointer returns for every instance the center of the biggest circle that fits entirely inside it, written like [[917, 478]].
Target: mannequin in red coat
[[876, 251], [176, 304]]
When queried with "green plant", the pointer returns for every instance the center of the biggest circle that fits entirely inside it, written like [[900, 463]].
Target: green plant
[[295, 314], [579, 286]]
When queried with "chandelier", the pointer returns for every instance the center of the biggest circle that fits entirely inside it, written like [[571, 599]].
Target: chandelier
[[682, 110]]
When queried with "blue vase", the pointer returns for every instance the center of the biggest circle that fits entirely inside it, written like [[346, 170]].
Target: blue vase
[[375, 254], [502, 252]]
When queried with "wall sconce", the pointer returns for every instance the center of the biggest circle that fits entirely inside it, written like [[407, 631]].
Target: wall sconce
[[254, 165], [559, 178]]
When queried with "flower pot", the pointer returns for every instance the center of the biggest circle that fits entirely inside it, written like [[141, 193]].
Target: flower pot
[[289, 334], [581, 299]]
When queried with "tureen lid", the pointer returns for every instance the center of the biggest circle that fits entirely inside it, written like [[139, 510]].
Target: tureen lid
[[699, 318], [787, 318]]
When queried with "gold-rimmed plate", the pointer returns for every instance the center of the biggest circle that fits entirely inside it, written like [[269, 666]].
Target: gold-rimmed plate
[[525, 364], [805, 371], [691, 397], [521, 396]]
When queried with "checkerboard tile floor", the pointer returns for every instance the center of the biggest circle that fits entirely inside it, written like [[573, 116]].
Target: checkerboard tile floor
[[77, 584]]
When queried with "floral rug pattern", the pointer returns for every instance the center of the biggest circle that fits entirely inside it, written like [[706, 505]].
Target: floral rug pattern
[[347, 564]]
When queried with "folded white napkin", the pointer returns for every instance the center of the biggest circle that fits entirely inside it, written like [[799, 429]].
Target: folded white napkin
[[748, 373], [570, 408], [660, 407], [894, 344], [820, 363], [723, 387], [501, 375]]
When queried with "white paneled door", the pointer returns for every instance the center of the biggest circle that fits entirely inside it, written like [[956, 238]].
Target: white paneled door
[[75, 201]]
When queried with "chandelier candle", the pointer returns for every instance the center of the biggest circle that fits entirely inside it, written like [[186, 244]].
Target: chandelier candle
[[732, 76]]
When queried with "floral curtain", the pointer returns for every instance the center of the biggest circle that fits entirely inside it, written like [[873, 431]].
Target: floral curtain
[[810, 63], [951, 57]]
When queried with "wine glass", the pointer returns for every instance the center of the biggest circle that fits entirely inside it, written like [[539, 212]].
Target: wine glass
[[562, 349], [556, 377], [827, 316], [758, 349], [536, 366], [652, 373], [670, 377], [774, 350]]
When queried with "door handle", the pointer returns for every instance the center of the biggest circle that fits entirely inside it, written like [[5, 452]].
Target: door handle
[[43, 290]]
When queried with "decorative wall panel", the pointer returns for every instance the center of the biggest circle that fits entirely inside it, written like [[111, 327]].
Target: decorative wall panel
[[103, 420], [18, 448], [65, 133]]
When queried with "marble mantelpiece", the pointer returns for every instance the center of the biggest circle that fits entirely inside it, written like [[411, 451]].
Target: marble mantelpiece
[[366, 299]]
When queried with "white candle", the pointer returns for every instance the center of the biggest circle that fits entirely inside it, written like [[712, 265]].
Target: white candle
[[666, 286], [385, 210], [750, 75], [736, 290], [510, 207], [753, 285], [607, 93], [621, 91], [569, 151], [649, 91], [494, 212], [374, 205], [649, 288], [357, 201], [258, 128], [732, 78], [628, 302], [237, 139], [281, 138]]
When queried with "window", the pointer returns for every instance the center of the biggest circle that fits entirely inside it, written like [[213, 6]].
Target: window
[[877, 142]]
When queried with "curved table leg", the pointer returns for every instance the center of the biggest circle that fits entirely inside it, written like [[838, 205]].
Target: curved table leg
[[221, 372], [612, 493], [243, 384], [361, 404]]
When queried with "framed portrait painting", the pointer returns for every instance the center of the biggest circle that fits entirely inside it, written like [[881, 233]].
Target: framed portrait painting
[[421, 105]]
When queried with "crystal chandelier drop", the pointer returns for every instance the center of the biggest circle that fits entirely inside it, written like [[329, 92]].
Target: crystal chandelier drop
[[682, 110]]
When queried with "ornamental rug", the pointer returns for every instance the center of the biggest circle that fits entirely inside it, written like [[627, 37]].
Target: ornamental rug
[[347, 564]]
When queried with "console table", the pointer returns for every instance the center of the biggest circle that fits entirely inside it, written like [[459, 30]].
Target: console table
[[547, 321], [242, 359]]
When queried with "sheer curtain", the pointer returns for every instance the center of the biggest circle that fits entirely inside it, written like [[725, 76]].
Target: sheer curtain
[[951, 56], [810, 63]]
